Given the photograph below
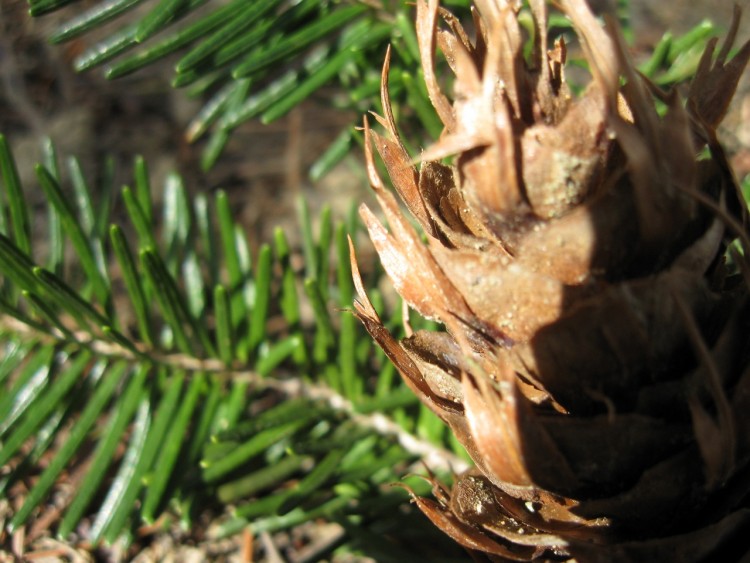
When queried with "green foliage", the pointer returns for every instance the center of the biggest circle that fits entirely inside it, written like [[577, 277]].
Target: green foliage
[[258, 58], [148, 367], [675, 59]]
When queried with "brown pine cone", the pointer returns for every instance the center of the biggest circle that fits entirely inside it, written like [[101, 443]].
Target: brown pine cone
[[588, 259]]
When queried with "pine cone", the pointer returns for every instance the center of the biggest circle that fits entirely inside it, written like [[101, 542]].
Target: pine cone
[[580, 254]]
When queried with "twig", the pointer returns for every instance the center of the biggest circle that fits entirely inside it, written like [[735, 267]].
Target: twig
[[287, 384]]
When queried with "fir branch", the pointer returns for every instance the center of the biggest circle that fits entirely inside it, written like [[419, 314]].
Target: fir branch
[[252, 59], [289, 384]]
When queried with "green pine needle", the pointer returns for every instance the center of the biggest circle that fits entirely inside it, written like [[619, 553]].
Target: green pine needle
[[160, 343]]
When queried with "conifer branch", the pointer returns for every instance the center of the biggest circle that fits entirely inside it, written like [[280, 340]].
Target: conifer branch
[[288, 384]]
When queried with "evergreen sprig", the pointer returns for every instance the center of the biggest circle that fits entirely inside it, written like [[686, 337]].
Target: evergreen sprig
[[258, 58], [144, 368]]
